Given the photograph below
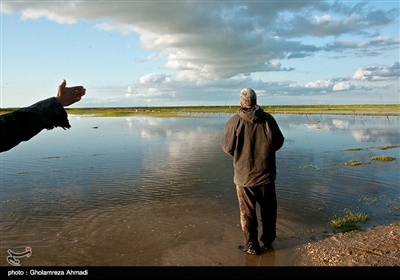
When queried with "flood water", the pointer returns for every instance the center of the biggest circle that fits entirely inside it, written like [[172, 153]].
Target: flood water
[[147, 191]]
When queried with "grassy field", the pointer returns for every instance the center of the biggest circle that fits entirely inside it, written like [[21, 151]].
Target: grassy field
[[362, 109]]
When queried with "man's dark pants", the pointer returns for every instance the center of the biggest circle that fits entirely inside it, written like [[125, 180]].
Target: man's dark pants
[[265, 196]]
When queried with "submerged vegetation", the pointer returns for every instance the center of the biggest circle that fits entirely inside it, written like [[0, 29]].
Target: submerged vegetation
[[354, 162], [348, 221], [187, 111], [354, 149], [388, 147], [376, 158], [383, 158]]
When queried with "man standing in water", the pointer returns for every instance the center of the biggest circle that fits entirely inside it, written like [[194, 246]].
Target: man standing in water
[[252, 137]]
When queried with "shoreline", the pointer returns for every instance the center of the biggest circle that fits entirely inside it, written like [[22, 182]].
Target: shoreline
[[375, 246]]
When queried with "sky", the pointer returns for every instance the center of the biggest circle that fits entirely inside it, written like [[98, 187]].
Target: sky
[[201, 53]]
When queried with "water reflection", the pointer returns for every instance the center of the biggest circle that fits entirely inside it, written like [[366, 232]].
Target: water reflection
[[377, 136], [165, 183]]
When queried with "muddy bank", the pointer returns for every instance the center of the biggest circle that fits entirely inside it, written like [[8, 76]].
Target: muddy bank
[[378, 246]]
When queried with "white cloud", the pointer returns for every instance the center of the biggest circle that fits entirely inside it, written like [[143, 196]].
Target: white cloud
[[341, 86], [221, 44], [320, 84], [378, 73], [211, 40], [152, 78]]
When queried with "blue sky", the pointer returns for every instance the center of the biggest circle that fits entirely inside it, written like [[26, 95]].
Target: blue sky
[[191, 53]]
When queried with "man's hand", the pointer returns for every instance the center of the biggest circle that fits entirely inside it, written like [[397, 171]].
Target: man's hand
[[69, 95]]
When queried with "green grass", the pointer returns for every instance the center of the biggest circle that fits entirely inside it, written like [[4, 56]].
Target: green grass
[[207, 111], [384, 110]]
